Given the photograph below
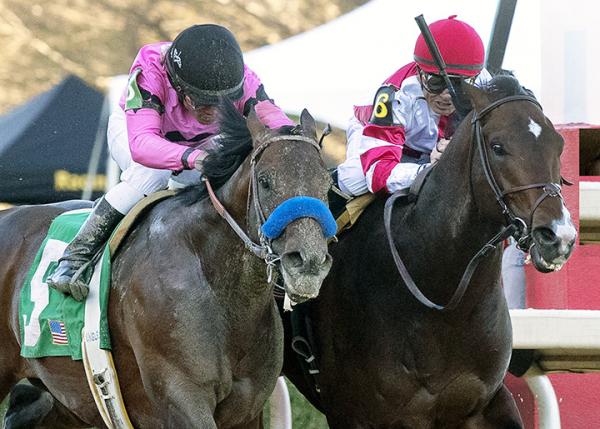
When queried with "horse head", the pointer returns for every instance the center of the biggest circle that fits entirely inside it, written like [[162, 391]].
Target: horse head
[[289, 184], [519, 157]]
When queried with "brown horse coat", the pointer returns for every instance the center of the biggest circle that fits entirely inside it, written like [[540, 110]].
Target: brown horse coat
[[386, 360]]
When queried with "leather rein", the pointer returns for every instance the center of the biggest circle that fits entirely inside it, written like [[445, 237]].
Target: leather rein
[[515, 226], [262, 249]]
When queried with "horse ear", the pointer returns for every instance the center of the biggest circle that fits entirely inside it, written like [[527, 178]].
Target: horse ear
[[308, 124], [256, 128], [478, 96]]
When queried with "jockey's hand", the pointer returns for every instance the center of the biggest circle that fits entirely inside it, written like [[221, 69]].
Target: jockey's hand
[[437, 151], [199, 160]]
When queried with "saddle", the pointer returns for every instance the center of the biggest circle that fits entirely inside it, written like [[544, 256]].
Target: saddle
[[347, 209]]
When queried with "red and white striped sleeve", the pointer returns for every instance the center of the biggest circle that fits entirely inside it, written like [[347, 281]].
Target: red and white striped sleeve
[[382, 142]]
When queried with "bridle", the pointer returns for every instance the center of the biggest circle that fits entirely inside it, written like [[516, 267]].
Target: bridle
[[263, 248], [522, 229], [515, 226]]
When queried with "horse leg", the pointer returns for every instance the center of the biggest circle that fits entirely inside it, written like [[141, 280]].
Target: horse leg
[[7, 381], [31, 406], [501, 413], [27, 407]]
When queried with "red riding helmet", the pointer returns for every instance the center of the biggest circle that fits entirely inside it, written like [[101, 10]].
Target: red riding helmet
[[460, 46]]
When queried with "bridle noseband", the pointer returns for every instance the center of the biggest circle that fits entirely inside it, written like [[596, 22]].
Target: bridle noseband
[[263, 249], [522, 229], [515, 227]]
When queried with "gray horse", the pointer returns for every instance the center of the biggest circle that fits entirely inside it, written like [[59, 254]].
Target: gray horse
[[196, 336]]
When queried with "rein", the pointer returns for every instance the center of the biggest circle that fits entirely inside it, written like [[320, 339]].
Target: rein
[[515, 227], [262, 249]]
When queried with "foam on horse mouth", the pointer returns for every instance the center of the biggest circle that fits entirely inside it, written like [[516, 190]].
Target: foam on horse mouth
[[301, 288], [541, 264]]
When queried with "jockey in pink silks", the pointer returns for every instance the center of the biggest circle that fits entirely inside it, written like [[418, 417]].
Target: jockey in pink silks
[[164, 126]]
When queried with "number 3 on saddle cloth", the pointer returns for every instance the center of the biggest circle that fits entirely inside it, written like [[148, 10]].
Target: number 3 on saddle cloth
[[54, 324]]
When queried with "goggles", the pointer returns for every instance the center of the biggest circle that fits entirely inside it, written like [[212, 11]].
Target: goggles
[[435, 83], [195, 104]]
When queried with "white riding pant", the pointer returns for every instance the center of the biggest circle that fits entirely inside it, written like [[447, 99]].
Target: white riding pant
[[137, 180], [351, 178]]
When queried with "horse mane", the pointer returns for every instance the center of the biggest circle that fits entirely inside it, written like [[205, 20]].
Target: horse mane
[[235, 144]]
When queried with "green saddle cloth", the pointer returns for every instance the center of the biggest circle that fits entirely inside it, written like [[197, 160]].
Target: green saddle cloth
[[51, 322]]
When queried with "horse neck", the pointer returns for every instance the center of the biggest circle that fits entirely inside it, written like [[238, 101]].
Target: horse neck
[[449, 216], [236, 276]]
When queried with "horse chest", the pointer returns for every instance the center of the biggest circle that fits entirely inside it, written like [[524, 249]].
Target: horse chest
[[427, 409]]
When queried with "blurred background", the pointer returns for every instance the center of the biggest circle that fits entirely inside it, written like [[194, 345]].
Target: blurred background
[[62, 63], [42, 42]]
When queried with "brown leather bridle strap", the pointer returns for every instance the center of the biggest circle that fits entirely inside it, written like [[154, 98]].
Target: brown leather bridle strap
[[487, 109], [523, 233], [515, 226], [506, 232], [254, 159], [257, 249], [262, 250]]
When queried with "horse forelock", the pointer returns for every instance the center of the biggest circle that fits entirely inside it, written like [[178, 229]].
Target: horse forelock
[[505, 85], [235, 144]]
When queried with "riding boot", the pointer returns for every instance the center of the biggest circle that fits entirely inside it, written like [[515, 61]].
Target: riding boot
[[89, 240]]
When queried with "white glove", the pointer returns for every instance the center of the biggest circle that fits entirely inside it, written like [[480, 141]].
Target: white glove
[[198, 161], [438, 150]]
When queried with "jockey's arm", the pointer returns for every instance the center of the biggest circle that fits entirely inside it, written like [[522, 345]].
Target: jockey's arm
[[144, 119], [375, 150], [150, 149]]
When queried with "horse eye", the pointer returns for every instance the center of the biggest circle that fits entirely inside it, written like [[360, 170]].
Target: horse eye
[[498, 149], [264, 181]]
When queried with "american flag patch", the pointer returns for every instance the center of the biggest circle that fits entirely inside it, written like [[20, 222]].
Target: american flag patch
[[57, 329]]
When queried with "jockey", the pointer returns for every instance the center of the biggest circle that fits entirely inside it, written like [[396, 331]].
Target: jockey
[[164, 126], [390, 142]]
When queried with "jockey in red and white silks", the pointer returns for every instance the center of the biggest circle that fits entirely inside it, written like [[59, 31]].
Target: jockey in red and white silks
[[410, 113]]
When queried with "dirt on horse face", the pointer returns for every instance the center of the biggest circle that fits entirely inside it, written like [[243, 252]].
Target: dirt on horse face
[[387, 360], [197, 339], [305, 260]]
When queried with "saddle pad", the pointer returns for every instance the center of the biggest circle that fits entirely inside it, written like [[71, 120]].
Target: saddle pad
[[51, 322], [353, 210]]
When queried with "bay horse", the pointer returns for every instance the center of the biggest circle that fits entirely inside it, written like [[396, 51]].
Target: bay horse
[[419, 348], [197, 339]]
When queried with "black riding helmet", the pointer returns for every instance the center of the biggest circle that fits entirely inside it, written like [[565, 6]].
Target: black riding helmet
[[205, 63]]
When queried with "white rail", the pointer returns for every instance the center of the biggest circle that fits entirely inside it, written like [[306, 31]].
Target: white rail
[[566, 341]]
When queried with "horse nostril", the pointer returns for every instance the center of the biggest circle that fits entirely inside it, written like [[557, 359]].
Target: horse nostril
[[292, 259], [545, 236]]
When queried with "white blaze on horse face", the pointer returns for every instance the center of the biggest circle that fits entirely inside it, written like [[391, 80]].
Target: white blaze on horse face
[[565, 230], [534, 128]]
